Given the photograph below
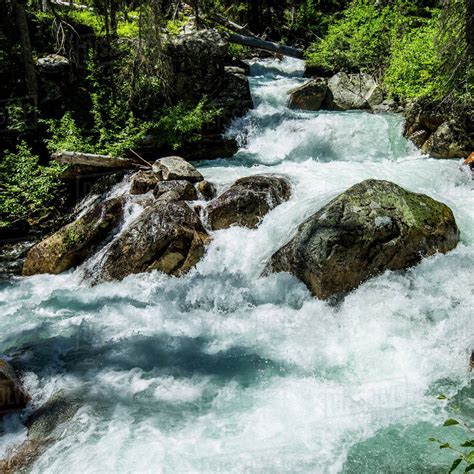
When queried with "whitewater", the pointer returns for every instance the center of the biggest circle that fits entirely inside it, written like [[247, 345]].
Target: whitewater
[[224, 370]]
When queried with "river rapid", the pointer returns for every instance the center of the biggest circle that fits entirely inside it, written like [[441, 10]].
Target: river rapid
[[226, 371]]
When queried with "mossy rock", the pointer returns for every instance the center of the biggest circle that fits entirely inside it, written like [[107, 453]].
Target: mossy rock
[[372, 227], [73, 243]]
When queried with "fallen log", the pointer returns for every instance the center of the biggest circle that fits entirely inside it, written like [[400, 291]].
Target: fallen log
[[90, 159], [254, 42]]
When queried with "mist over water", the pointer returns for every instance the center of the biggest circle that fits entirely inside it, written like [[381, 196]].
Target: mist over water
[[225, 371]]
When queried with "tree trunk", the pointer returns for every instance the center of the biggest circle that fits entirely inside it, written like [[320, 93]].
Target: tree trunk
[[469, 27], [28, 64], [253, 42]]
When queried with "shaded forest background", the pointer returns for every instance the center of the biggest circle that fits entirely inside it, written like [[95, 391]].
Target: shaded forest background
[[121, 92]]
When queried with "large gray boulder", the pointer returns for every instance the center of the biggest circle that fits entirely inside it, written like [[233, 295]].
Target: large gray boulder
[[73, 243], [309, 96], [168, 236], [352, 91], [176, 168], [372, 227], [196, 63], [247, 201]]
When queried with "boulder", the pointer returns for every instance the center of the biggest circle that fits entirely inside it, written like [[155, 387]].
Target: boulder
[[13, 396], [52, 64], [309, 96], [177, 190], [196, 63], [168, 236], [447, 141], [207, 190], [233, 98], [176, 168], [372, 227], [247, 201], [352, 91], [75, 242], [144, 181]]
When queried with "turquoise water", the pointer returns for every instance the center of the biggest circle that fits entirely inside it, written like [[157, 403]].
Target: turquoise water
[[225, 371]]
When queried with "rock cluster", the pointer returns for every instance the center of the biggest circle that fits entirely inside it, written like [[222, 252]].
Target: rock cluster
[[437, 135], [167, 235], [340, 92]]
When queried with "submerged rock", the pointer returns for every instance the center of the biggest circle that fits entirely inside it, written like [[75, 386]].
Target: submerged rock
[[175, 190], [75, 242], [247, 201], [13, 396], [177, 168], [352, 91], [45, 426], [144, 181], [309, 96], [372, 227], [168, 236]]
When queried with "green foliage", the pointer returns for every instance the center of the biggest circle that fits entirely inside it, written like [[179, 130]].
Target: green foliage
[[464, 457], [414, 69], [179, 124], [27, 189], [359, 41]]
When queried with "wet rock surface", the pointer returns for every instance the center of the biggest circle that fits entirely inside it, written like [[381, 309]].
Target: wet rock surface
[[247, 201], [167, 236], [176, 168], [72, 244], [372, 227]]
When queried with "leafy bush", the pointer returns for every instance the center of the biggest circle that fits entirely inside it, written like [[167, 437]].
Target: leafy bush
[[27, 188], [359, 41], [414, 69], [179, 125]]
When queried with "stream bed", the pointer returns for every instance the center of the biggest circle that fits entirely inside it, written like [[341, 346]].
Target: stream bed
[[227, 371]]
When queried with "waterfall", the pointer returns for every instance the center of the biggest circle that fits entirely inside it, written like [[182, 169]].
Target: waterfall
[[223, 370]]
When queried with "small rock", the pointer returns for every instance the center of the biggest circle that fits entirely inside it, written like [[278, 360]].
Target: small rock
[[309, 96], [372, 227], [176, 168], [247, 201], [207, 190], [177, 190], [419, 137], [12, 395], [53, 64], [72, 244], [144, 181]]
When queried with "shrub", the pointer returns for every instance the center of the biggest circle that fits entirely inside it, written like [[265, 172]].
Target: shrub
[[359, 41], [27, 188], [414, 69]]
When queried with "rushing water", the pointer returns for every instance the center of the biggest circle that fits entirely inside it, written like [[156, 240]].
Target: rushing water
[[224, 371]]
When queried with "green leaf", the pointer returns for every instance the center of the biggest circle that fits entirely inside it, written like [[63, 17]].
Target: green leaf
[[450, 422], [434, 440], [470, 457], [444, 446], [441, 397], [469, 468], [468, 444], [455, 465]]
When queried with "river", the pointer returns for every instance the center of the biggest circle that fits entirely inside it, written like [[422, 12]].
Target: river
[[226, 371]]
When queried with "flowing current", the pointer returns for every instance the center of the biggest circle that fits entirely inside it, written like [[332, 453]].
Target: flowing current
[[226, 371]]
